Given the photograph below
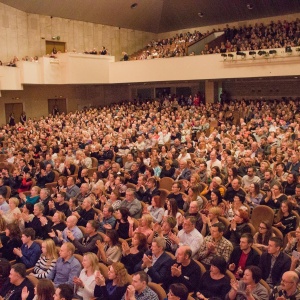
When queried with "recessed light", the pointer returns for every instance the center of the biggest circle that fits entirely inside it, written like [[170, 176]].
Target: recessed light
[[250, 6], [200, 14], [134, 5]]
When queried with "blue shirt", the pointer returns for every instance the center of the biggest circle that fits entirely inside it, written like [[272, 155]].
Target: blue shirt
[[4, 207], [65, 271], [30, 255]]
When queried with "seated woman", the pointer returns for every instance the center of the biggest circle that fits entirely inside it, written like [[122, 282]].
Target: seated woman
[[115, 286], [168, 170], [11, 240], [109, 251], [287, 220], [172, 211], [58, 222], [26, 183], [261, 238], [44, 290], [238, 203], [293, 242], [122, 224], [156, 210], [47, 260], [211, 218], [193, 194], [216, 201], [248, 287], [274, 197], [14, 211], [214, 283], [131, 256], [254, 196], [238, 226], [144, 226], [26, 215], [85, 284], [33, 197]]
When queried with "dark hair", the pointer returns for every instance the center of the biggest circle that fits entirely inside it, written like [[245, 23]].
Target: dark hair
[[248, 236], [241, 197], [29, 232], [143, 246], [256, 273], [288, 204], [179, 290], [234, 172], [113, 235], [30, 207], [124, 213], [45, 289], [218, 171], [65, 291], [143, 276], [265, 239], [94, 224], [278, 241], [220, 263], [173, 207], [4, 269], [218, 194], [14, 230], [20, 269], [221, 227], [63, 194]]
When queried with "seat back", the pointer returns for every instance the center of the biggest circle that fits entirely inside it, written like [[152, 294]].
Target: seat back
[[158, 290], [261, 213], [166, 183]]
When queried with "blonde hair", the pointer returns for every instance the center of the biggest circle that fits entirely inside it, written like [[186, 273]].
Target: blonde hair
[[51, 251], [61, 216], [148, 218], [14, 200], [36, 188], [93, 259], [216, 211]]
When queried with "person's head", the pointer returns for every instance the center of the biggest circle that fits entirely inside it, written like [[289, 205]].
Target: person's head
[[172, 206], [45, 289], [178, 291], [214, 212], [155, 201], [17, 273], [246, 241], [289, 281], [66, 250], [286, 207], [122, 214], [12, 230], [277, 188], [129, 196], [87, 203], [218, 265], [13, 203], [252, 275], [58, 217], [28, 235], [28, 208], [4, 270], [194, 207], [254, 188], [235, 184], [111, 237], [274, 245], [146, 220], [241, 216], [90, 261], [158, 245], [118, 272], [139, 281], [63, 292], [183, 255], [35, 190], [250, 172], [140, 240], [71, 222], [176, 187], [49, 249], [38, 209], [151, 183], [168, 224], [91, 227], [217, 230], [2, 199], [189, 224], [216, 197]]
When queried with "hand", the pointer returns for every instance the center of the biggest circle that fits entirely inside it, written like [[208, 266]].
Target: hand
[[176, 270], [17, 251], [100, 245], [25, 293], [249, 289], [231, 267], [59, 234], [99, 278], [157, 228], [234, 284], [43, 220], [130, 292], [78, 282], [130, 220], [210, 246], [125, 248], [51, 205], [70, 235], [147, 261], [174, 238], [76, 214], [52, 233]]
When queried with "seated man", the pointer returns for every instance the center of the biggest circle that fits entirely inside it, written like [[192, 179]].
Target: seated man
[[139, 289], [134, 205], [30, 251], [188, 235], [243, 256], [87, 212], [151, 191], [12, 288], [67, 266], [63, 292], [3, 204], [215, 245], [88, 242], [156, 262], [72, 189], [59, 204], [184, 270], [176, 187], [45, 176], [274, 262], [62, 237], [106, 219], [288, 288], [84, 192], [194, 212]]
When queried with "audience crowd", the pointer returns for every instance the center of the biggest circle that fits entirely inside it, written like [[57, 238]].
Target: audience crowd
[[173, 195]]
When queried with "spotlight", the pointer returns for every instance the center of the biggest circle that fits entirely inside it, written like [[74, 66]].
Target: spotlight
[[230, 55], [272, 52], [288, 49], [200, 14], [252, 53], [250, 6], [224, 56]]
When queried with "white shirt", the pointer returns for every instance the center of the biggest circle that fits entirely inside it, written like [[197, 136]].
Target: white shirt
[[87, 292]]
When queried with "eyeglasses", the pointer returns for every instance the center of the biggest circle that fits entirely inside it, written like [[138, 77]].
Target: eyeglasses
[[262, 227], [285, 281]]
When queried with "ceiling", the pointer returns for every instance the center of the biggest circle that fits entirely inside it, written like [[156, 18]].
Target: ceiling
[[157, 15]]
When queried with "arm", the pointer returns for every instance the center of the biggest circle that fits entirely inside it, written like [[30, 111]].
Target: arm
[[31, 257], [74, 271], [159, 275], [44, 274]]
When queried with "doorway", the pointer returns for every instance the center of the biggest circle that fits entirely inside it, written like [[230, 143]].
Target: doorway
[[15, 108], [59, 104], [60, 46]]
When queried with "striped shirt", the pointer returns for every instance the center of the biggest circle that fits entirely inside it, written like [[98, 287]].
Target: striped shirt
[[43, 267]]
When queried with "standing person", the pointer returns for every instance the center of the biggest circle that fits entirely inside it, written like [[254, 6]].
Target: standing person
[[23, 117], [11, 120], [12, 288]]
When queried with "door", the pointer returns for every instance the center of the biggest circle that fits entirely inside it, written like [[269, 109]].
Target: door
[[60, 46], [15, 108], [59, 105]]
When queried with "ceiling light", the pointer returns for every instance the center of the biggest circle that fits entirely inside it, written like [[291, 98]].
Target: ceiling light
[[250, 6], [200, 14], [133, 5]]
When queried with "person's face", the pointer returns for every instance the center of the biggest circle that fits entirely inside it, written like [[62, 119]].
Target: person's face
[[44, 250], [267, 175], [250, 172], [129, 196], [284, 208], [111, 273], [275, 189], [155, 249], [247, 278], [25, 239], [180, 255], [188, 226], [7, 232], [237, 217], [213, 197], [86, 262], [69, 181], [237, 200], [59, 198], [137, 283], [175, 188], [36, 211], [70, 222], [2, 199], [244, 245], [290, 178], [287, 282], [214, 231], [214, 270], [262, 228], [135, 240], [235, 184], [171, 296], [56, 295], [106, 213], [64, 252], [14, 276], [272, 248], [89, 228], [193, 208]]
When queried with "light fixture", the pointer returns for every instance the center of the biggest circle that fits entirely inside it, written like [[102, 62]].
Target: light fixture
[[288, 49], [224, 56], [200, 14], [273, 52], [133, 5], [242, 54], [261, 52], [250, 6], [230, 55]]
